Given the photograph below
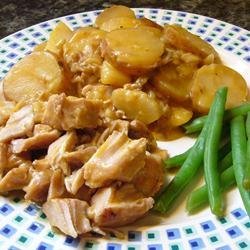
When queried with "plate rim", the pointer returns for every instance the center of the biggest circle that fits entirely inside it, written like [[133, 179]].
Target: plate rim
[[137, 8], [92, 12]]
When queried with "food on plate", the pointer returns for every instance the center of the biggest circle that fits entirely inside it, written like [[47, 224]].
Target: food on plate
[[199, 197], [222, 168], [81, 114], [115, 11], [135, 50], [180, 38], [210, 161], [206, 81], [146, 108], [197, 124], [70, 215], [58, 36], [22, 84], [113, 76]]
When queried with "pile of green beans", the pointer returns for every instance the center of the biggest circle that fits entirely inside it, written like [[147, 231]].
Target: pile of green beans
[[224, 166]]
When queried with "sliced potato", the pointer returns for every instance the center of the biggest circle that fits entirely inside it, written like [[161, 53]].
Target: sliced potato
[[35, 76], [82, 44], [112, 76], [2, 96], [97, 92], [209, 78], [133, 48], [181, 38], [128, 22], [179, 116], [149, 23], [174, 82], [113, 12], [137, 105], [58, 36], [83, 36], [119, 23]]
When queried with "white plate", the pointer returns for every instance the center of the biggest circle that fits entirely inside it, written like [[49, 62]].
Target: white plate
[[24, 226]]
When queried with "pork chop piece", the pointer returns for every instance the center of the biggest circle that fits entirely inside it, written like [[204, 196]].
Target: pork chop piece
[[37, 188], [58, 148], [17, 160], [15, 179], [150, 178], [41, 164], [80, 156], [19, 124], [75, 181], [117, 159], [52, 112], [66, 113], [6, 109], [3, 157], [114, 207], [69, 215], [138, 129], [43, 136], [56, 187], [116, 125], [76, 188]]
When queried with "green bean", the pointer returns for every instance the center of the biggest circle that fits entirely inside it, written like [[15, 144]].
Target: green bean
[[239, 148], [199, 197], [246, 180], [225, 162], [225, 149], [211, 172], [197, 124], [190, 167], [184, 176], [178, 160]]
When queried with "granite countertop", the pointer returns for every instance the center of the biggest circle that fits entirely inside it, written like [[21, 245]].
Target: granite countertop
[[16, 15]]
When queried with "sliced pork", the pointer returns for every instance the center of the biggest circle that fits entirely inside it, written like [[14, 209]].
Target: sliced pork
[[15, 179], [113, 207], [80, 156], [19, 124], [57, 187], [3, 157], [66, 113], [117, 159], [150, 178], [37, 189], [56, 150], [42, 139], [69, 215]]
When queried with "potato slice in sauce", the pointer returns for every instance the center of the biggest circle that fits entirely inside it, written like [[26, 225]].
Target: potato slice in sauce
[[211, 77], [113, 12], [35, 76], [134, 48]]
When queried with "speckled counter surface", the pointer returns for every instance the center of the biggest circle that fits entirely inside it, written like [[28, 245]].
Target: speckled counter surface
[[19, 14]]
